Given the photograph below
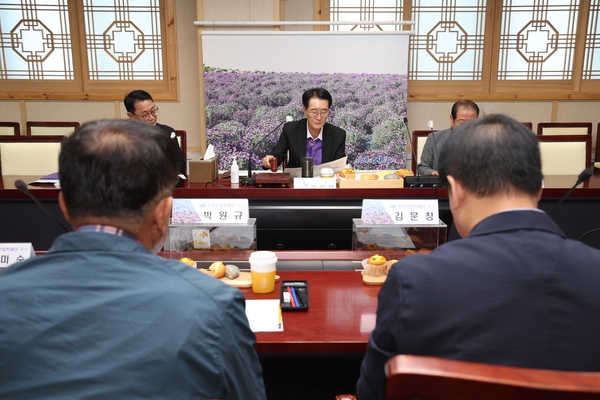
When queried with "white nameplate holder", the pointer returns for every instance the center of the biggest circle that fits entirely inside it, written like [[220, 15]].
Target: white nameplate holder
[[315, 183], [211, 211], [400, 212], [11, 253]]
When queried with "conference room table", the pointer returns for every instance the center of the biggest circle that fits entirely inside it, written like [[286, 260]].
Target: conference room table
[[296, 219]]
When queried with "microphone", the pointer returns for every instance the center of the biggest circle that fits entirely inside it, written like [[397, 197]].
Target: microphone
[[250, 180], [583, 176], [22, 186]]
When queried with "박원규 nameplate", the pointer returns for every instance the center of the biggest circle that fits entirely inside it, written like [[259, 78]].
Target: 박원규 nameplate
[[214, 211], [400, 212]]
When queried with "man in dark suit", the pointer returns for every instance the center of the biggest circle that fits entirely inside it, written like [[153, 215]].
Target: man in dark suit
[[311, 136], [140, 106], [514, 291]]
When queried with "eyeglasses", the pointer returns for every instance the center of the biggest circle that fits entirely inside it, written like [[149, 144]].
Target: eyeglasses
[[147, 117], [322, 113]]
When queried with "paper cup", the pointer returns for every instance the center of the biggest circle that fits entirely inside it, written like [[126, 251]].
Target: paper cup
[[262, 269]]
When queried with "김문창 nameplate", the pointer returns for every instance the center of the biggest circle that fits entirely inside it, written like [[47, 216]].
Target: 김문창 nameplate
[[400, 212]]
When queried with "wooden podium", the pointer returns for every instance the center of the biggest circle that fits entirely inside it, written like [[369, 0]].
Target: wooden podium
[[266, 178]]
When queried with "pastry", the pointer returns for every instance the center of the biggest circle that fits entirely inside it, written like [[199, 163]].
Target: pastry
[[404, 173], [345, 171], [232, 271], [376, 266], [218, 269], [369, 177], [188, 261]]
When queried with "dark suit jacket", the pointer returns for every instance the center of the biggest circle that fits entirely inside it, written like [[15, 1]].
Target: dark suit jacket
[[293, 138], [180, 156], [514, 292]]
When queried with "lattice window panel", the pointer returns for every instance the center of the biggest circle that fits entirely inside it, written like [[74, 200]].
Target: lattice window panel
[[35, 40], [448, 44], [591, 63], [366, 10], [123, 39], [537, 39]]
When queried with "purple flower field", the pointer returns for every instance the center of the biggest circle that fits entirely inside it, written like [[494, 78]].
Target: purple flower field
[[244, 107]]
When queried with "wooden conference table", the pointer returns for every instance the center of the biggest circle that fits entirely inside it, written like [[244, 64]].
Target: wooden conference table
[[294, 219], [339, 319]]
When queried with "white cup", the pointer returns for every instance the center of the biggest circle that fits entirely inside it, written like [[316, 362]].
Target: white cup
[[263, 265], [327, 172]]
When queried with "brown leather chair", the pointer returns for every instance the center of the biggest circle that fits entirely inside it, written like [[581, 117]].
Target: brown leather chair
[[36, 128], [565, 154], [564, 128], [529, 125], [420, 377], [418, 142], [597, 157], [10, 128], [29, 155]]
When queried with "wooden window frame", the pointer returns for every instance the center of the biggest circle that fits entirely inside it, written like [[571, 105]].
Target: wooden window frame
[[82, 88], [490, 88]]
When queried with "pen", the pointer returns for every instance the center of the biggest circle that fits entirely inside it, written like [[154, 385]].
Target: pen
[[280, 318], [295, 296], [294, 304]]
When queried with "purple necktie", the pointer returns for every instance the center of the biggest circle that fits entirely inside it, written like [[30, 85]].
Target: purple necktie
[[314, 149]]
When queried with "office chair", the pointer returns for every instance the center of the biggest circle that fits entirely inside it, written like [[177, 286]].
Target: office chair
[[35, 128], [10, 128], [564, 128], [421, 377]]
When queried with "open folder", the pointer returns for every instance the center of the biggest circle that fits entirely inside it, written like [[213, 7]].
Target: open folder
[[50, 179]]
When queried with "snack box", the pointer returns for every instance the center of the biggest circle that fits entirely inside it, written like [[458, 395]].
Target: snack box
[[358, 183]]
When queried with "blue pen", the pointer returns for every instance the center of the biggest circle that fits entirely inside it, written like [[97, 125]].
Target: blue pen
[[296, 299]]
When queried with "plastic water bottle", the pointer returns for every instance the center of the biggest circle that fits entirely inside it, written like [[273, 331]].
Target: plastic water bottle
[[235, 171]]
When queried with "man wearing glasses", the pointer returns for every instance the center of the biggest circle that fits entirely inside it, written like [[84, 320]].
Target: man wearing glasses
[[140, 106], [311, 136]]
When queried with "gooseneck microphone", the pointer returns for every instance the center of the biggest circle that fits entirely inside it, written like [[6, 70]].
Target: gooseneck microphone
[[250, 180], [583, 176], [22, 186]]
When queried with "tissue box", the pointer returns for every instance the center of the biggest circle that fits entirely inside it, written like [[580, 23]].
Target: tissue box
[[204, 170]]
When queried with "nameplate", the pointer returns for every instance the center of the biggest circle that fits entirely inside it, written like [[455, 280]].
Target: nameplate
[[11, 253], [314, 183], [400, 212], [210, 211]]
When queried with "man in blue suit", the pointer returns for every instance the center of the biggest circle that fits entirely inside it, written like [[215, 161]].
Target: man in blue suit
[[311, 136], [514, 291]]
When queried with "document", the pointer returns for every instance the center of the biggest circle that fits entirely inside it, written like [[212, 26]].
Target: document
[[264, 315]]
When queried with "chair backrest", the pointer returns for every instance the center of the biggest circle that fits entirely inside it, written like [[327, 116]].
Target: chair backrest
[[565, 154], [564, 128], [52, 128], [529, 125], [10, 128], [29, 155], [182, 139], [418, 142], [410, 377], [598, 144]]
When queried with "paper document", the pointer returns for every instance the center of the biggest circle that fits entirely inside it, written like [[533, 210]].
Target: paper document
[[337, 166], [264, 315]]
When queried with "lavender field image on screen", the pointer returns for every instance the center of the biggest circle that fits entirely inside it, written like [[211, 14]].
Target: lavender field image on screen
[[244, 107]]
